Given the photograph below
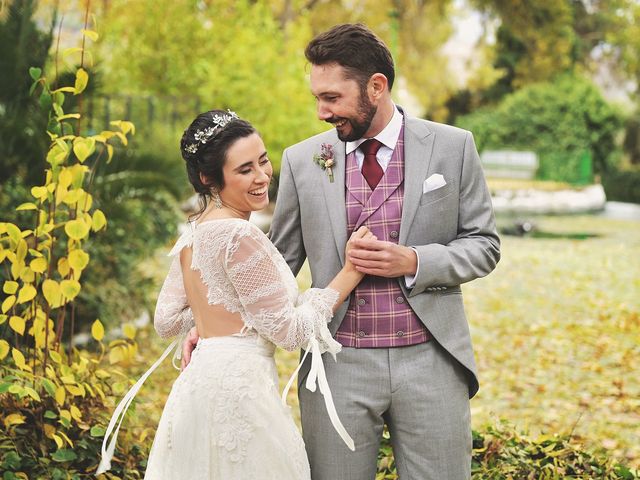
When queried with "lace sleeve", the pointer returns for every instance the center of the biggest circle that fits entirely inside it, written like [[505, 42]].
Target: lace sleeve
[[267, 304], [173, 315]]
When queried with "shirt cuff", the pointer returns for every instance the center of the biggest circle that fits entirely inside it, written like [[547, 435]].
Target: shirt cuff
[[410, 280]]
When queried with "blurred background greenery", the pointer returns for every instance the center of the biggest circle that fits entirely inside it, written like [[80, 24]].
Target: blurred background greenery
[[558, 77]]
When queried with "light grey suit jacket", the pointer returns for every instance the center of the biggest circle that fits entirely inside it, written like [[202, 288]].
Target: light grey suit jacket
[[452, 228]]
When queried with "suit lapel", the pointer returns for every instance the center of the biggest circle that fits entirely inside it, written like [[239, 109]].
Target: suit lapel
[[334, 195], [418, 147]]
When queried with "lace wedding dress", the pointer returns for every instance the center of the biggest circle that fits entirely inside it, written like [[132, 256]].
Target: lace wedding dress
[[224, 418]]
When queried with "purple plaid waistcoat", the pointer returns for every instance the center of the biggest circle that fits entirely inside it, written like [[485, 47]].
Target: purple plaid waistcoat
[[378, 314]]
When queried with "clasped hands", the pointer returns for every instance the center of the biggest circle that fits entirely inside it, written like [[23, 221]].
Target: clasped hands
[[380, 258]]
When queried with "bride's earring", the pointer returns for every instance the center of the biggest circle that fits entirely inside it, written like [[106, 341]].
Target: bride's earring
[[215, 196]]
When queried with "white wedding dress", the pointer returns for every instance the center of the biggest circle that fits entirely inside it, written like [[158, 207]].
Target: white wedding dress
[[224, 418]]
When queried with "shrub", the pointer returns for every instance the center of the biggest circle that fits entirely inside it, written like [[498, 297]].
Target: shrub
[[501, 453], [564, 122], [50, 395]]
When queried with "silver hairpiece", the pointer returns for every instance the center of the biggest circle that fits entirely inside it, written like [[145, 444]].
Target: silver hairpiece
[[203, 136]]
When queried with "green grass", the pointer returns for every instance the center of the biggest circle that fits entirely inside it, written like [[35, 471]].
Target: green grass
[[556, 330]]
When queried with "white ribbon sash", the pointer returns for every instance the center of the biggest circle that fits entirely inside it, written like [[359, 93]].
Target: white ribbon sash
[[121, 409], [317, 373]]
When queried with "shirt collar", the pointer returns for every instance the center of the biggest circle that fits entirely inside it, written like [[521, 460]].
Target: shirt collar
[[388, 136]]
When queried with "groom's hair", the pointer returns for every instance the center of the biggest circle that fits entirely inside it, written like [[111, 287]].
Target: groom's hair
[[356, 48]]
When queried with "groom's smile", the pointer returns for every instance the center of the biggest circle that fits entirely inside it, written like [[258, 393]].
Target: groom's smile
[[341, 102]]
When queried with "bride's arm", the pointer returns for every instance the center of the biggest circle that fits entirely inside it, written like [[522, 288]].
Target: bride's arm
[[267, 306], [173, 315]]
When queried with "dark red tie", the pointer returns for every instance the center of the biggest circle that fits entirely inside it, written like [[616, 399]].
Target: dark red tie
[[371, 169]]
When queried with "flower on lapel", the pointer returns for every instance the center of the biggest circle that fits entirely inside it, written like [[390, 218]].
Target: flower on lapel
[[325, 159]]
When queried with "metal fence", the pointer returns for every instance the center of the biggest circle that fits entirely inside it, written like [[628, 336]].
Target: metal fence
[[144, 111]]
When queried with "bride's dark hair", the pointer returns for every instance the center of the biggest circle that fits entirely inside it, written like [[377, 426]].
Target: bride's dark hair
[[204, 147]]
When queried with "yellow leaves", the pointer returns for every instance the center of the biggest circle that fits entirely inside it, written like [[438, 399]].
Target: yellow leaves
[[65, 177], [78, 259], [4, 349], [63, 266], [83, 147], [10, 229], [97, 330], [58, 153], [32, 393], [99, 220], [125, 126], [75, 413], [93, 35], [70, 288], [27, 293], [55, 356], [76, 229], [17, 324], [65, 415], [39, 265], [26, 206], [60, 395], [8, 303], [129, 330], [13, 419], [50, 432], [82, 79], [116, 355], [76, 390], [39, 193], [68, 116], [19, 360], [52, 292], [121, 352], [10, 287]]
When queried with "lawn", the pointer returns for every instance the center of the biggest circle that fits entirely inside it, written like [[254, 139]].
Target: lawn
[[556, 330]]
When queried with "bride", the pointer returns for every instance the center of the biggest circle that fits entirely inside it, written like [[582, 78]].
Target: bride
[[224, 418]]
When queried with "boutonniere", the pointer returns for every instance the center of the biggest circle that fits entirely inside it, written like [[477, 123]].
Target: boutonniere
[[325, 159]]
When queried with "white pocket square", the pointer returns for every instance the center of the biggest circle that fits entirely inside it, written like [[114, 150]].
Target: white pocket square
[[434, 182]]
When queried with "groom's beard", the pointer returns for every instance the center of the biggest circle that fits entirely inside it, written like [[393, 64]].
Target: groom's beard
[[360, 124]]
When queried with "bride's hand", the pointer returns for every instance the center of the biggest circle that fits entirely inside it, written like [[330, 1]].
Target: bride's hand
[[362, 233], [188, 346]]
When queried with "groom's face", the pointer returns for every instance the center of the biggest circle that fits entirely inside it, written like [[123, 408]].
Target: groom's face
[[341, 101]]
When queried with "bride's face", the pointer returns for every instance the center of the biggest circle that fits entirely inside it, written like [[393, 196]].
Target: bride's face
[[247, 172]]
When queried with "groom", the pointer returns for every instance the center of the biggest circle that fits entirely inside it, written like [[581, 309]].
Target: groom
[[407, 359]]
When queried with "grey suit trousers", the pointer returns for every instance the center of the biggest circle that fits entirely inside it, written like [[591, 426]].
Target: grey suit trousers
[[419, 391]]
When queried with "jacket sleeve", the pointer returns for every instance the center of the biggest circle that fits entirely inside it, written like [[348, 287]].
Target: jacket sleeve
[[475, 251]]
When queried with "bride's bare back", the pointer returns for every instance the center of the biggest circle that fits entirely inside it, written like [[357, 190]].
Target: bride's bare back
[[210, 320]]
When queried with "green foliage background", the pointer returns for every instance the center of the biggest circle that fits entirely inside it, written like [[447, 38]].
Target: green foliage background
[[561, 121]]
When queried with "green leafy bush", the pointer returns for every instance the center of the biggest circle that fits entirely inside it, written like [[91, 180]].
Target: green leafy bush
[[52, 397], [564, 122], [501, 453]]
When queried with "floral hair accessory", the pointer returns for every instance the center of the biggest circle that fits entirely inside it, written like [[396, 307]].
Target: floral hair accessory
[[325, 159], [203, 136]]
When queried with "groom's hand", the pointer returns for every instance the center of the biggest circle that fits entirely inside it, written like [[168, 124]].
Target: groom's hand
[[383, 259], [188, 346]]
